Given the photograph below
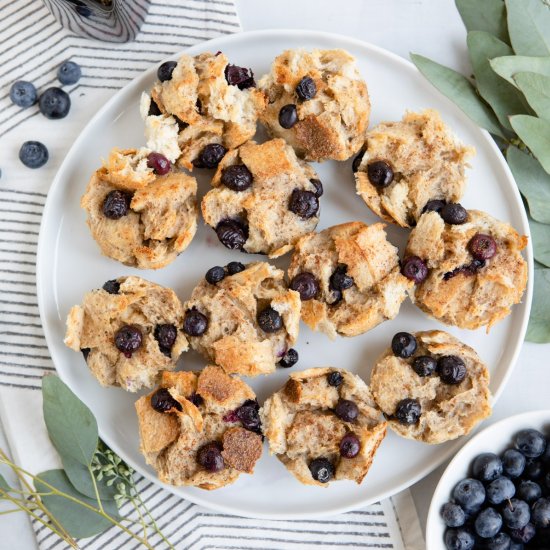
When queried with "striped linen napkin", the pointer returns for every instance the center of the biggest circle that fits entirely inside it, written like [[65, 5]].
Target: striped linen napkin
[[33, 44]]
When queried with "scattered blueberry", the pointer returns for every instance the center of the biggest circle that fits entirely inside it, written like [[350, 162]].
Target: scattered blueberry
[[112, 286], [166, 335], [346, 410], [232, 234], [210, 457], [434, 206], [533, 469], [128, 339], [487, 467], [116, 204], [530, 442], [234, 267], [528, 490], [288, 116], [380, 173], [340, 280], [513, 463], [306, 88], [196, 399], [23, 93], [414, 269], [334, 379], [210, 156], [321, 469], [501, 541], [488, 523], [303, 203], [290, 358], [453, 515], [249, 415], [523, 535], [357, 161], [408, 411], [459, 539], [194, 322], [499, 490], [350, 446], [482, 247], [239, 76], [270, 320], [454, 213], [469, 269], [424, 365], [451, 369], [237, 177], [215, 274], [306, 285], [540, 513], [164, 72], [318, 187], [516, 513], [69, 73], [159, 163], [54, 103], [33, 154], [162, 401], [403, 345], [470, 494]]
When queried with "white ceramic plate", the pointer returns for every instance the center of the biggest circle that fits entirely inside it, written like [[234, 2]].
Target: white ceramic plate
[[494, 439], [70, 264]]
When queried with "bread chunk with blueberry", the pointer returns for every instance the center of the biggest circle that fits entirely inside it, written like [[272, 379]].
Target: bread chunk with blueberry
[[128, 331], [408, 165], [200, 428], [467, 266], [263, 199], [431, 387], [199, 108], [348, 278], [317, 102], [323, 425], [244, 320], [140, 211]]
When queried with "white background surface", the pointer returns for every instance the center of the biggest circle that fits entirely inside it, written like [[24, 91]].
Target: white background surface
[[429, 27]]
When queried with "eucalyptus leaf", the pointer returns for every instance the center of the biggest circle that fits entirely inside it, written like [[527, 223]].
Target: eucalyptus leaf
[[77, 520], [71, 425], [4, 484], [529, 26], [80, 477], [509, 65], [535, 133], [538, 330], [536, 89], [459, 90], [540, 233], [504, 98], [484, 15], [533, 182]]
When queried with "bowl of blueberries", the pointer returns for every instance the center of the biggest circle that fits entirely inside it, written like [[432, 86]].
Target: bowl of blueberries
[[495, 493]]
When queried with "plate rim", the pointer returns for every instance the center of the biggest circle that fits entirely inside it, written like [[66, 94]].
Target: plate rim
[[41, 262]]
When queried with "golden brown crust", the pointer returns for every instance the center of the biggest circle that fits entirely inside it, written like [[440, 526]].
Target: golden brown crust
[[372, 262], [332, 125], [448, 411], [300, 424], [241, 449], [467, 299]]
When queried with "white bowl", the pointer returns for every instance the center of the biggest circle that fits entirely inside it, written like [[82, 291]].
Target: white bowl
[[494, 439]]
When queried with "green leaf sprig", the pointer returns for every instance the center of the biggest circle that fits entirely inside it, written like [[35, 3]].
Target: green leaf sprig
[[509, 47], [84, 498]]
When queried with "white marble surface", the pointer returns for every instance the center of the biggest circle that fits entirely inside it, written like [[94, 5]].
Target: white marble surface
[[429, 27]]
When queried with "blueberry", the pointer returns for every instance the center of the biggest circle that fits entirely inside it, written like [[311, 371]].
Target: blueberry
[[335, 297], [270, 320], [451, 369], [350, 446], [249, 415], [209, 456], [112, 286], [33, 154], [159, 163], [487, 467], [459, 539], [408, 411], [424, 365], [215, 274], [334, 379], [166, 335], [69, 73], [516, 514], [54, 103], [357, 161], [237, 177], [453, 515], [533, 469], [288, 116], [513, 463], [232, 234], [530, 442], [482, 247], [454, 213], [239, 76], [210, 156], [528, 490], [499, 490], [116, 204], [488, 523], [346, 410], [23, 93], [545, 457], [540, 513], [306, 88], [306, 285], [339, 280], [434, 206], [154, 109], [321, 469], [85, 352], [403, 345], [304, 204], [162, 401], [290, 358], [318, 187], [414, 269], [546, 481], [380, 173], [164, 72], [234, 267], [194, 322], [196, 399], [128, 339], [523, 535], [501, 541], [470, 494]]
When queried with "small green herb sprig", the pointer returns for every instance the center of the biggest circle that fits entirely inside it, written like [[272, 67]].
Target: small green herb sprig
[[509, 48], [83, 498]]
